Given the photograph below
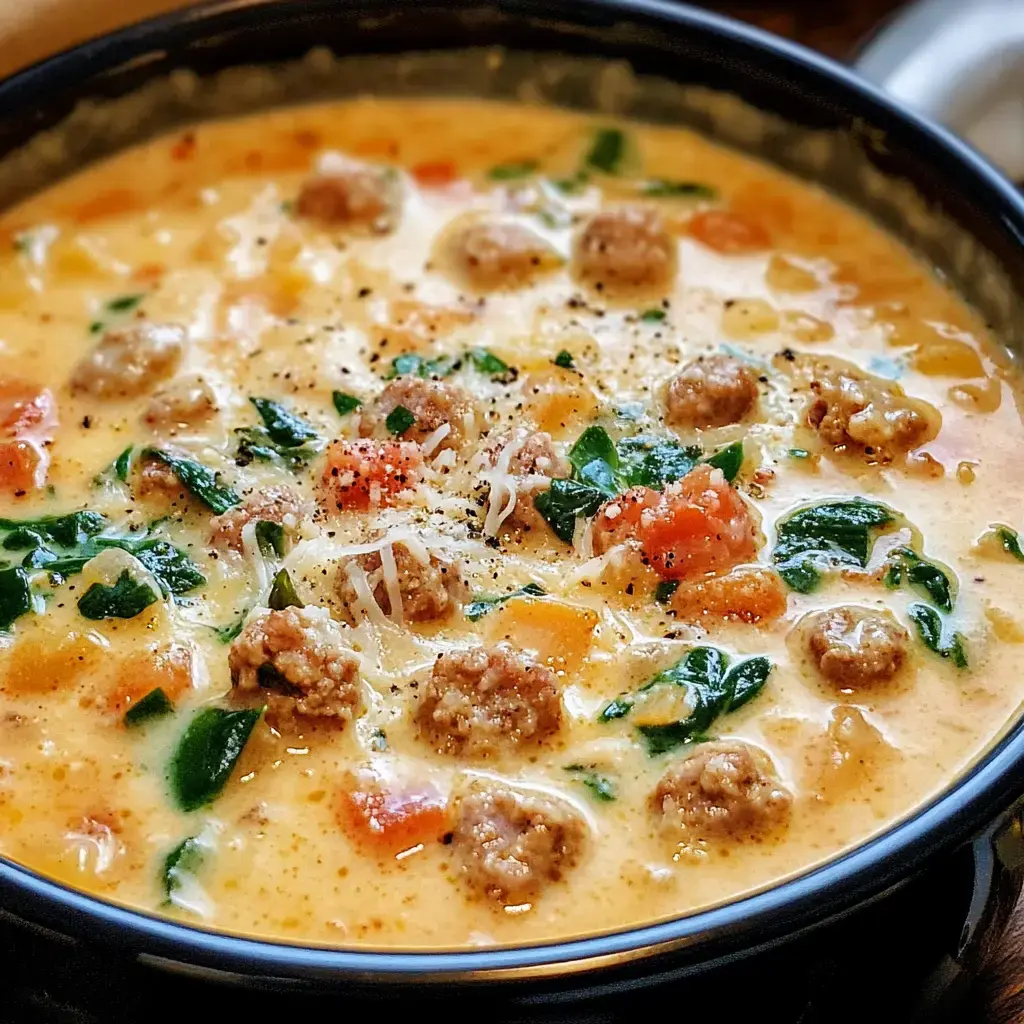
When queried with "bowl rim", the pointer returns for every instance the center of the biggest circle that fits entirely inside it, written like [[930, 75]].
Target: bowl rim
[[953, 817]]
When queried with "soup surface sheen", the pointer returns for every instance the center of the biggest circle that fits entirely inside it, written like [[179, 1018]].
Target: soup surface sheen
[[331, 386]]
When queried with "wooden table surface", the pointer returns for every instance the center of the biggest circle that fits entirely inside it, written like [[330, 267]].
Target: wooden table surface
[[30, 29]]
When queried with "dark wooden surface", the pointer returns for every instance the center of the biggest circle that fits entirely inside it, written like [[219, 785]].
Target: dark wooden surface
[[838, 28]]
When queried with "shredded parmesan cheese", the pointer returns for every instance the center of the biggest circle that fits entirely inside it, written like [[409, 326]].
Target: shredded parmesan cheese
[[251, 549], [434, 438], [364, 594], [502, 498], [387, 562], [583, 537]]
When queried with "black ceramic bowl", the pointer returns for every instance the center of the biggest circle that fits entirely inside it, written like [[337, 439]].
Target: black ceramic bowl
[[889, 929]]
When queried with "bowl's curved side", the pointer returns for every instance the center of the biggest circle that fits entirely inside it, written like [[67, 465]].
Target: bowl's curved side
[[973, 205]]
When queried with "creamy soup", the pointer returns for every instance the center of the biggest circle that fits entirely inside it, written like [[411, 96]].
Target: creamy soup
[[431, 523]]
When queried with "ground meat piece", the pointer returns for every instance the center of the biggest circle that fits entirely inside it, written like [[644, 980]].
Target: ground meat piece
[[479, 702], [184, 402], [872, 417], [432, 402], [271, 505], [711, 392], [296, 660], [429, 590], [128, 361], [492, 255], [153, 477], [626, 248], [533, 462], [511, 844], [723, 788], [349, 195], [618, 520], [856, 646]]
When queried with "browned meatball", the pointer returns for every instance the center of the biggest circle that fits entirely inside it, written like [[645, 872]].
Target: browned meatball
[[712, 391], [432, 402], [298, 661], [351, 195], [271, 505], [530, 457], [480, 702], [511, 844], [491, 255], [128, 361], [723, 788], [429, 590], [626, 248], [184, 402], [856, 646], [153, 477], [872, 417]]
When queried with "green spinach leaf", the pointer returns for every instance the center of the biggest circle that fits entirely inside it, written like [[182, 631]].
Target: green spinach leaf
[[664, 590], [483, 603], [174, 570], [932, 632], [345, 403], [185, 859], [207, 753], [512, 171], [658, 188], [564, 502], [284, 428], [413, 365], [607, 151], [271, 538], [123, 464], [822, 536], [15, 596], [601, 786], [66, 530], [1009, 541], [155, 704], [283, 594], [653, 316], [488, 363], [713, 688], [654, 462], [928, 577], [199, 479], [399, 420], [565, 360], [127, 598], [728, 459]]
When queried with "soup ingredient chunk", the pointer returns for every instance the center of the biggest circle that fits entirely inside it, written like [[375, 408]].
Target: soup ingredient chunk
[[697, 525], [626, 248], [28, 418], [298, 660], [360, 475], [523, 463], [872, 417], [493, 255], [424, 584], [184, 402], [711, 392], [511, 844], [722, 789], [279, 505], [856, 646], [433, 404], [389, 815], [481, 702], [129, 361], [349, 194]]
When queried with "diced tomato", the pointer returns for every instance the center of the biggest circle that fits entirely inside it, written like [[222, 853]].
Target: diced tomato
[[23, 466], [367, 474], [618, 520], [435, 173], [728, 233], [24, 407], [389, 818], [700, 525], [168, 667]]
